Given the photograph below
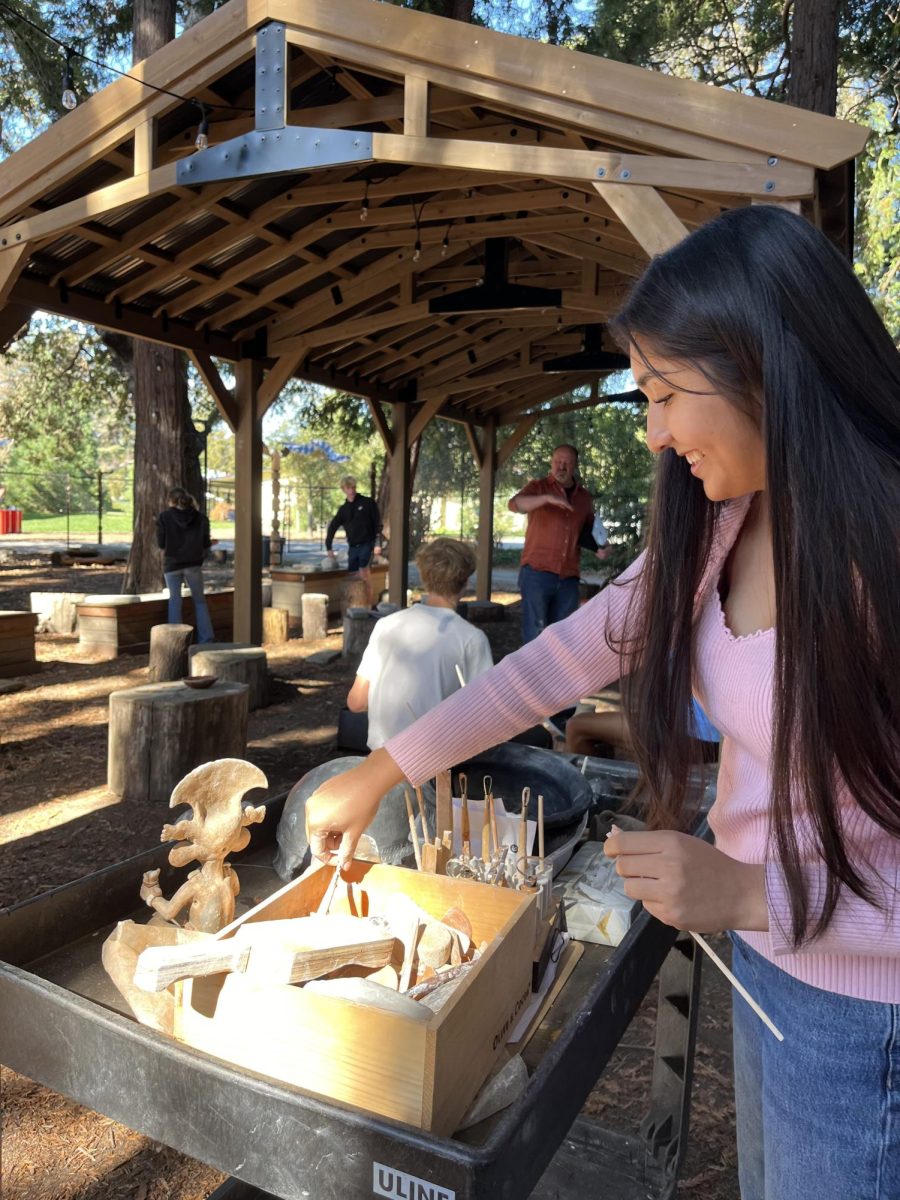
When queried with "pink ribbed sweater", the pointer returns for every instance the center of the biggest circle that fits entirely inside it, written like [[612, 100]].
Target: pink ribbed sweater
[[859, 954]]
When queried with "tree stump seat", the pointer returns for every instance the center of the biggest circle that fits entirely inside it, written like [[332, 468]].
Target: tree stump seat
[[17, 655], [160, 731], [289, 585], [239, 664], [122, 624]]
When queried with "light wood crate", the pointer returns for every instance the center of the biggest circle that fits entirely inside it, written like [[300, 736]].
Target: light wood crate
[[423, 1073]]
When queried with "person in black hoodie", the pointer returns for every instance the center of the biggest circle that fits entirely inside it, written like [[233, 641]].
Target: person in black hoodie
[[362, 523], [182, 533]]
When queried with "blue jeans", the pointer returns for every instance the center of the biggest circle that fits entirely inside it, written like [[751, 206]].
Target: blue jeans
[[818, 1115], [193, 577], [545, 598], [359, 555]]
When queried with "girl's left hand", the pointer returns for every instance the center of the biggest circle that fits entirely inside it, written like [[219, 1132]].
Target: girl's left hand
[[688, 883]]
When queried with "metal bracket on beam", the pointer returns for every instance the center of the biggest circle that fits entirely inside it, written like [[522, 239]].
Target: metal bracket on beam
[[273, 148], [275, 153]]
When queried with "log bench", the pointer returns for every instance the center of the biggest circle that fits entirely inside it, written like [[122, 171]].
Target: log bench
[[239, 664], [160, 731], [122, 624], [17, 631]]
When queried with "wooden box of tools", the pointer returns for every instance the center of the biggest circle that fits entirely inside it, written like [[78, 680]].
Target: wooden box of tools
[[423, 1073]]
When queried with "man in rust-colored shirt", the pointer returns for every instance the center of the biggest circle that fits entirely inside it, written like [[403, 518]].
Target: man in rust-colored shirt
[[560, 518]]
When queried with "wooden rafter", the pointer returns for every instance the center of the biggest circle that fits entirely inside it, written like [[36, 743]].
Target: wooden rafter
[[223, 396]]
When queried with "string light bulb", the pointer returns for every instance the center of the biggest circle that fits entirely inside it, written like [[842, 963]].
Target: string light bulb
[[364, 210], [202, 139], [417, 253], [69, 95]]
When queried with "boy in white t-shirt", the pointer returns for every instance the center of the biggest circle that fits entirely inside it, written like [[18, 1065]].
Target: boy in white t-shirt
[[415, 657]]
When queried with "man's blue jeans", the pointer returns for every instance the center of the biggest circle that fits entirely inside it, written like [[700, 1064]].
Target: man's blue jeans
[[193, 577], [545, 598], [818, 1115]]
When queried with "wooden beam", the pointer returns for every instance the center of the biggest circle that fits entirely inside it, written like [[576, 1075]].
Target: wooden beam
[[82, 306], [12, 318], [387, 438], [278, 375], [782, 180], [645, 213], [223, 396], [487, 478], [248, 507], [416, 114], [515, 439], [582, 91], [11, 266], [86, 208], [145, 147], [474, 447], [428, 410], [398, 511]]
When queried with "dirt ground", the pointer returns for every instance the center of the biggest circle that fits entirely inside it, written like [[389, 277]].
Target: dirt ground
[[58, 822]]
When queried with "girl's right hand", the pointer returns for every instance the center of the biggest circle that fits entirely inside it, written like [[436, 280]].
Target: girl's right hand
[[340, 810]]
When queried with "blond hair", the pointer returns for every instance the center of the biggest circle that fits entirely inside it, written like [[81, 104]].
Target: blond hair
[[348, 481], [445, 566]]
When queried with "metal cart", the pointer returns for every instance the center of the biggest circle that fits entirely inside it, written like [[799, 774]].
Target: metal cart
[[64, 1025]]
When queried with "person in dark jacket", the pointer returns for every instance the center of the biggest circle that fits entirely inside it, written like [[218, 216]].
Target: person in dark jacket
[[361, 522], [182, 533]]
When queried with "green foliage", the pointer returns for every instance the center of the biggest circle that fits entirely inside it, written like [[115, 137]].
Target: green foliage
[[878, 219], [65, 405]]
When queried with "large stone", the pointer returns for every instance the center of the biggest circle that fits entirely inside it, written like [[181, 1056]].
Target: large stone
[[57, 612]]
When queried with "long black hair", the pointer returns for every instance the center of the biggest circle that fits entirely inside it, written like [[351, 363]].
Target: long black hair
[[769, 311]]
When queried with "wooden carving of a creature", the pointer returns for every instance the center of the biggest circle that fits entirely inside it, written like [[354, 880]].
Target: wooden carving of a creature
[[216, 828]]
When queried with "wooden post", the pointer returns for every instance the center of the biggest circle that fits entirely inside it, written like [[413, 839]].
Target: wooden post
[[276, 626], [169, 652], [487, 479], [315, 615], [247, 506], [399, 506]]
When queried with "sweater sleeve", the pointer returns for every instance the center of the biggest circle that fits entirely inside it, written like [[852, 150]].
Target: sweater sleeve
[[207, 540], [569, 659], [160, 532]]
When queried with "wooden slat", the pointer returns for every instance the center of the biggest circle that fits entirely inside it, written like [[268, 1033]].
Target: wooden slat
[[515, 439], [422, 418], [276, 378], [86, 208], [223, 396], [11, 266], [381, 425], [646, 214], [416, 114], [783, 180]]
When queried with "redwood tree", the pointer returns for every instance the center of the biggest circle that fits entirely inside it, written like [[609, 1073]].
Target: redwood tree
[[166, 445]]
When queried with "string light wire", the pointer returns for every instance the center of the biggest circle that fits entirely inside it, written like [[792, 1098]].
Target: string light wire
[[7, 11]]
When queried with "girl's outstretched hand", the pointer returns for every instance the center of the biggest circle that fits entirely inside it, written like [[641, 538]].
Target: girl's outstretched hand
[[688, 883], [339, 811]]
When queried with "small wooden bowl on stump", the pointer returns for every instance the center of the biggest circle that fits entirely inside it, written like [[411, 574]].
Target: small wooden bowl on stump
[[199, 681]]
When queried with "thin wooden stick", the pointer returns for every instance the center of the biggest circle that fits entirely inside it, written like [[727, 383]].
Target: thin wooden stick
[[464, 817], [523, 833], [325, 902], [426, 836], [735, 983], [541, 831], [460, 676], [412, 829]]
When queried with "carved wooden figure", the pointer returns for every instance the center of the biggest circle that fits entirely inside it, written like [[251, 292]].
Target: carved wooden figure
[[216, 828]]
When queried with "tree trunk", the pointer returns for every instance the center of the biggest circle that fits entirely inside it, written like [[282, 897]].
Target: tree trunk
[[169, 652], [166, 445], [814, 52], [164, 454]]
